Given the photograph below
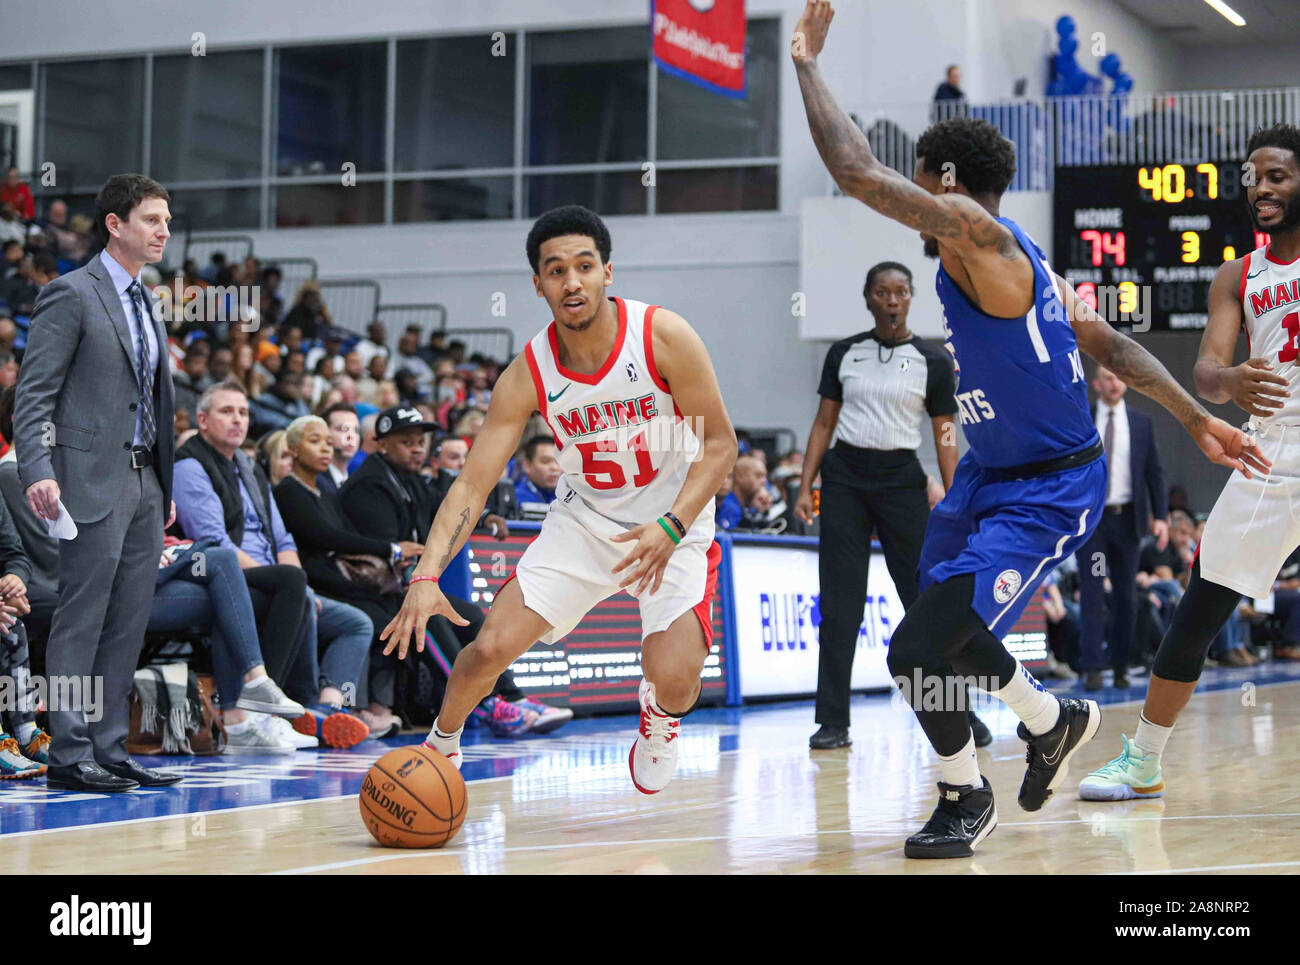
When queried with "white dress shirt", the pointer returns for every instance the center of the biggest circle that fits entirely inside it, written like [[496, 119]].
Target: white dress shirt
[[1121, 472], [121, 282]]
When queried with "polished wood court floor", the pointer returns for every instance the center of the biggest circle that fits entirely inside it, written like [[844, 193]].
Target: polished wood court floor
[[749, 797]]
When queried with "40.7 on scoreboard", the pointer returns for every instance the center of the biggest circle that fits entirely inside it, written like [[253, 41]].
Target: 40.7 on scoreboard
[[1141, 243]]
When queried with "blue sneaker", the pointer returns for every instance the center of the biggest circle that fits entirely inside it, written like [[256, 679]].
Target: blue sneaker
[[548, 718], [505, 719]]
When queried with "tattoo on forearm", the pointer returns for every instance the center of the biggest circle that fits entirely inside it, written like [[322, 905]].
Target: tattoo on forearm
[[1143, 371], [455, 537], [847, 155]]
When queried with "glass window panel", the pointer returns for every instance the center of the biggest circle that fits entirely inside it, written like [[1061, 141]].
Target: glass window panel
[[453, 199], [587, 95], [212, 208], [207, 117], [612, 192], [716, 189], [313, 205], [455, 104], [15, 76], [330, 108], [697, 123], [94, 111]]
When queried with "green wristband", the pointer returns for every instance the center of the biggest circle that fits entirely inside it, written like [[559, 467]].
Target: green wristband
[[668, 528]]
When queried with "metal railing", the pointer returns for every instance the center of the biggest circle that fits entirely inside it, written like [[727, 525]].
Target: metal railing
[[351, 302], [1135, 128], [201, 249], [497, 344], [427, 318]]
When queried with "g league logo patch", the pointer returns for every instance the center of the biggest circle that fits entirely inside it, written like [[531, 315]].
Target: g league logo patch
[[631, 372], [1006, 585], [905, 365]]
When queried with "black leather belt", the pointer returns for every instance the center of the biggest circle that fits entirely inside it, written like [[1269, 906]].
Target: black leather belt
[[1048, 466], [1117, 508], [141, 457]]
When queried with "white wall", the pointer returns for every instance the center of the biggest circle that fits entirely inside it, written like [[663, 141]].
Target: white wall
[[1240, 66]]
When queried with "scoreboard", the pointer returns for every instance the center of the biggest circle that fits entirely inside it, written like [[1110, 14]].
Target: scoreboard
[[1141, 244]]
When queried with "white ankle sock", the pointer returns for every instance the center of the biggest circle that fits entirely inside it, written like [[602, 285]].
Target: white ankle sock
[[441, 742], [962, 768], [1151, 738], [1030, 701]]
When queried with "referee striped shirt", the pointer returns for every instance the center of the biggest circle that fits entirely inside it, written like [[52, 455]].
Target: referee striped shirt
[[886, 391]]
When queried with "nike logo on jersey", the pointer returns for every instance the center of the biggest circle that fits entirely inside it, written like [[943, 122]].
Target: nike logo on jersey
[[1254, 273], [863, 359], [552, 398]]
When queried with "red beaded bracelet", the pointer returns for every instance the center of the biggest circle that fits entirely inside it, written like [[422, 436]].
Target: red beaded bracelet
[[417, 579]]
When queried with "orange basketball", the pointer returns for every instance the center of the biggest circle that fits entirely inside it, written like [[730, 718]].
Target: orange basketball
[[413, 797]]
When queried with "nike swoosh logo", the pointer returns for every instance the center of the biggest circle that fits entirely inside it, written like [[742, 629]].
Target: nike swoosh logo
[[552, 398], [1052, 758], [971, 826], [863, 359], [1260, 272]]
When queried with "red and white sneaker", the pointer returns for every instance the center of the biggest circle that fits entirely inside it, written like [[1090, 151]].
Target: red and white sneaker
[[448, 747], [653, 757]]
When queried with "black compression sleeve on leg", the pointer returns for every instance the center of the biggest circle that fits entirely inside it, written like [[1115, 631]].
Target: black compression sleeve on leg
[[1204, 608]]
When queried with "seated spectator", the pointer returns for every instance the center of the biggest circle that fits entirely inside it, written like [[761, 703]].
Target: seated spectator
[[330, 347], [223, 497], [408, 389], [219, 364], [727, 512], [375, 376], [11, 259], [436, 348], [536, 491], [448, 460], [354, 367], [308, 312], [280, 404], [368, 444], [1062, 630], [407, 359], [271, 302], [374, 344], [345, 440], [1286, 609], [188, 384], [21, 291], [759, 511], [11, 227], [388, 499], [273, 456], [18, 195]]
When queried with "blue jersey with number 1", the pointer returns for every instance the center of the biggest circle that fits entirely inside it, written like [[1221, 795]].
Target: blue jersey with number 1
[[1021, 392]]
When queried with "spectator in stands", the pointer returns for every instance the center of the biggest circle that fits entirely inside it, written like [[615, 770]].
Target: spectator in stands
[[11, 260], [8, 366], [330, 347], [749, 494], [216, 262], [469, 424], [408, 387], [375, 343], [726, 508], [219, 364], [436, 348], [408, 359], [272, 303], [274, 457], [280, 404], [536, 491], [224, 497], [11, 229], [189, 383], [456, 352], [387, 396], [368, 443], [61, 239], [354, 366], [1286, 609], [1062, 629], [345, 439], [35, 273], [368, 385], [308, 312], [18, 195], [950, 89], [387, 498]]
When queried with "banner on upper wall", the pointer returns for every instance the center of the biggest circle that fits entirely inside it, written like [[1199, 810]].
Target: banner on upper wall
[[702, 41]]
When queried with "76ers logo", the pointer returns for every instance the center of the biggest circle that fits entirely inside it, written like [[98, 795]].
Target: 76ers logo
[[1006, 585]]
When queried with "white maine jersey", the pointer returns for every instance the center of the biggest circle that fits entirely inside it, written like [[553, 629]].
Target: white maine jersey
[[620, 438], [1270, 302]]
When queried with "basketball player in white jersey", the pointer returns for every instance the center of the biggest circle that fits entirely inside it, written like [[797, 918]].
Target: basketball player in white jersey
[[644, 441], [1254, 525]]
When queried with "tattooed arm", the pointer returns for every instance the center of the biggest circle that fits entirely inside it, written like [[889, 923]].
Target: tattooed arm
[[1138, 368], [513, 402], [954, 219]]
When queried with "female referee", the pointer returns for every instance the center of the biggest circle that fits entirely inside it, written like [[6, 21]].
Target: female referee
[[876, 389]]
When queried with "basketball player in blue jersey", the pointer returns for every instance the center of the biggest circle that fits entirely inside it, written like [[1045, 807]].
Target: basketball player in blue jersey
[[1032, 487]]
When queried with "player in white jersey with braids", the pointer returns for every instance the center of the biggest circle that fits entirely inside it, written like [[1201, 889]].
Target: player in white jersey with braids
[[1255, 523], [644, 441]]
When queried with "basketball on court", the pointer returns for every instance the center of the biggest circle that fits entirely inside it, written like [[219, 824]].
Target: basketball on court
[[413, 797]]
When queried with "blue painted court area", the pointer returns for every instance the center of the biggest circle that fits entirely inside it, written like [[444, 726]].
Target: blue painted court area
[[597, 746]]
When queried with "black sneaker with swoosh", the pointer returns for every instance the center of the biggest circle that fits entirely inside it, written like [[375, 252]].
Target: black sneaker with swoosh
[[1048, 755], [964, 817]]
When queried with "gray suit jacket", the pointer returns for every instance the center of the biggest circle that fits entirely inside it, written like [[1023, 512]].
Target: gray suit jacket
[[75, 404]]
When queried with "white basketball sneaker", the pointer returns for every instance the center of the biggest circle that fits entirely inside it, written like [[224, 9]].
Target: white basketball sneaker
[[446, 745], [654, 755]]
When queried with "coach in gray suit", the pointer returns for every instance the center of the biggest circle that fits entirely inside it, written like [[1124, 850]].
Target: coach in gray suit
[[93, 428]]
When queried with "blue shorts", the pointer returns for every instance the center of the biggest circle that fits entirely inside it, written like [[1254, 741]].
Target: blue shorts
[[1009, 533]]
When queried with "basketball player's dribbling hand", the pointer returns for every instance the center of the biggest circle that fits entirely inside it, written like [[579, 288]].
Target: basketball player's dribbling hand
[[652, 550], [810, 32], [1229, 446], [424, 600]]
